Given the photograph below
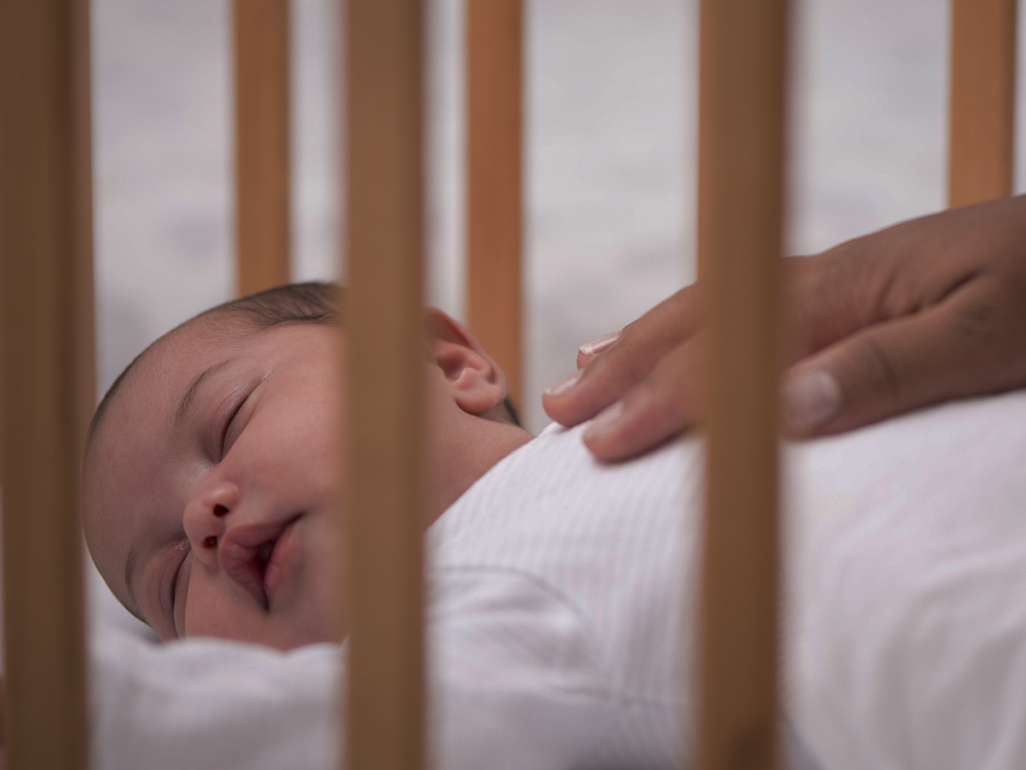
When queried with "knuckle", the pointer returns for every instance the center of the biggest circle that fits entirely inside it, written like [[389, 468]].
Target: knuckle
[[618, 368], [608, 369], [880, 364], [981, 321], [837, 266], [628, 333], [638, 371], [664, 400], [654, 398]]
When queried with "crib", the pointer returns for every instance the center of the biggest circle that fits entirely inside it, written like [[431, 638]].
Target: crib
[[47, 310]]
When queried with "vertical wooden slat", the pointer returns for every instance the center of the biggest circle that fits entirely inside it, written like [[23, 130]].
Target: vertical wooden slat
[[261, 143], [44, 244], [981, 129], [385, 343], [741, 134], [494, 188], [84, 344]]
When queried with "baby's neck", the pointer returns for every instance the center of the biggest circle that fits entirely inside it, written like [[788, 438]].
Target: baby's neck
[[457, 459]]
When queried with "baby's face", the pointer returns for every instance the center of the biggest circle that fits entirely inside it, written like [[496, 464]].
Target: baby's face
[[211, 485]]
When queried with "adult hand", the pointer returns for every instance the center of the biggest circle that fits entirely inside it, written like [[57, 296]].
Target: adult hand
[[924, 311]]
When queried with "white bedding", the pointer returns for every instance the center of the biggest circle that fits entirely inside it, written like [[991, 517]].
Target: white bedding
[[909, 647], [906, 632]]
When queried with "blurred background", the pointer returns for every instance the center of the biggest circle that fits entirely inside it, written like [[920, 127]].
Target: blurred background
[[610, 169]]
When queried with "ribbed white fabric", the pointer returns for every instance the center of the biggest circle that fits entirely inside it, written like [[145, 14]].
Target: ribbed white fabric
[[614, 546]]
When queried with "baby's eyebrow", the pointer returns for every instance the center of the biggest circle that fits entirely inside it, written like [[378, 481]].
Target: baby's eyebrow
[[190, 393]]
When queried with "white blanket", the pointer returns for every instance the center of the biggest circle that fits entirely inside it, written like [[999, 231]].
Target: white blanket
[[908, 647]]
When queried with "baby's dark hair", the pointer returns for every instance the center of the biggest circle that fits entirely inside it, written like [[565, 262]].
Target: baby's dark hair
[[312, 302]]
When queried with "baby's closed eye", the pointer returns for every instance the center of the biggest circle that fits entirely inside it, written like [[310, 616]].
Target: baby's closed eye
[[235, 416]]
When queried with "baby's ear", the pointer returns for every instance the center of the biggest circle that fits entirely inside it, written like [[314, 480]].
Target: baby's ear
[[476, 381]]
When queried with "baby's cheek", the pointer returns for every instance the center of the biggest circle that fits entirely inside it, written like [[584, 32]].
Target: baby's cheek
[[216, 608], [321, 612]]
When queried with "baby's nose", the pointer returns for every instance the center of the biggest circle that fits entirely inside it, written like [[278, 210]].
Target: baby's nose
[[204, 520]]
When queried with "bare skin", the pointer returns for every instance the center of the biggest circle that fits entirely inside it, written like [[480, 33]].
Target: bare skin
[[215, 513], [925, 311]]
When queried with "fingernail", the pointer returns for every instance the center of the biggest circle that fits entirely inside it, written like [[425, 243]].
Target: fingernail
[[599, 345], [563, 385], [810, 399], [605, 421]]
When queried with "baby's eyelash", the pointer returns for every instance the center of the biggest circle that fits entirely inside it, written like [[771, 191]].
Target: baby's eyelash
[[228, 423]]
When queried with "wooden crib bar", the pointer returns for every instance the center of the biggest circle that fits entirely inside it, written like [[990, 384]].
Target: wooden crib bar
[[262, 214], [981, 129], [494, 186], [740, 183], [383, 521], [46, 363]]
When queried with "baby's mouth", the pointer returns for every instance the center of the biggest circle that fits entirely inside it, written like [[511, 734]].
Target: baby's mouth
[[256, 557], [263, 554]]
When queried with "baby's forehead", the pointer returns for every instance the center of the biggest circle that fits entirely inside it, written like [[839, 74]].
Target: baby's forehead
[[152, 390], [172, 356], [142, 399]]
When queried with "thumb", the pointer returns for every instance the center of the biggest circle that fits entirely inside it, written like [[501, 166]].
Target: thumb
[[959, 347]]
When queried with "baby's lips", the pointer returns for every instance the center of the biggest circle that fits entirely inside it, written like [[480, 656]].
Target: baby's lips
[[239, 555], [277, 565]]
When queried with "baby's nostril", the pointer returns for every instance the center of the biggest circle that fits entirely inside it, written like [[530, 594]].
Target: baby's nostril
[[210, 542], [220, 510]]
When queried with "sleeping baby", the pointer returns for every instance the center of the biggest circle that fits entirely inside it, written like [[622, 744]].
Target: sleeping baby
[[558, 587], [210, 473], [209, 487]]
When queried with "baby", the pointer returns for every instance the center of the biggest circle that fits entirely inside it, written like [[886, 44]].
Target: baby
[[210, 473], [554, 600], [559, 589]]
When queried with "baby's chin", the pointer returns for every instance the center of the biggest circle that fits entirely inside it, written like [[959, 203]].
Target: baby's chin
[[308, 613], [279, 633]]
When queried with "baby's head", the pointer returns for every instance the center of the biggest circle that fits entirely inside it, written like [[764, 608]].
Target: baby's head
[[211, 473]]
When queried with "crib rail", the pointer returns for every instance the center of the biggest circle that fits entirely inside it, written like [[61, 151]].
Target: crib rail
[[383, 522], [261, 55], [494, 181], [740, 186], [982, 117], [47, 372]]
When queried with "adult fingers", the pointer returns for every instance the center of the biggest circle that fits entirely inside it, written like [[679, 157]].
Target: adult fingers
[[660, 406], [903, 269], [832, 295], [610, 367], [971, 343]]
